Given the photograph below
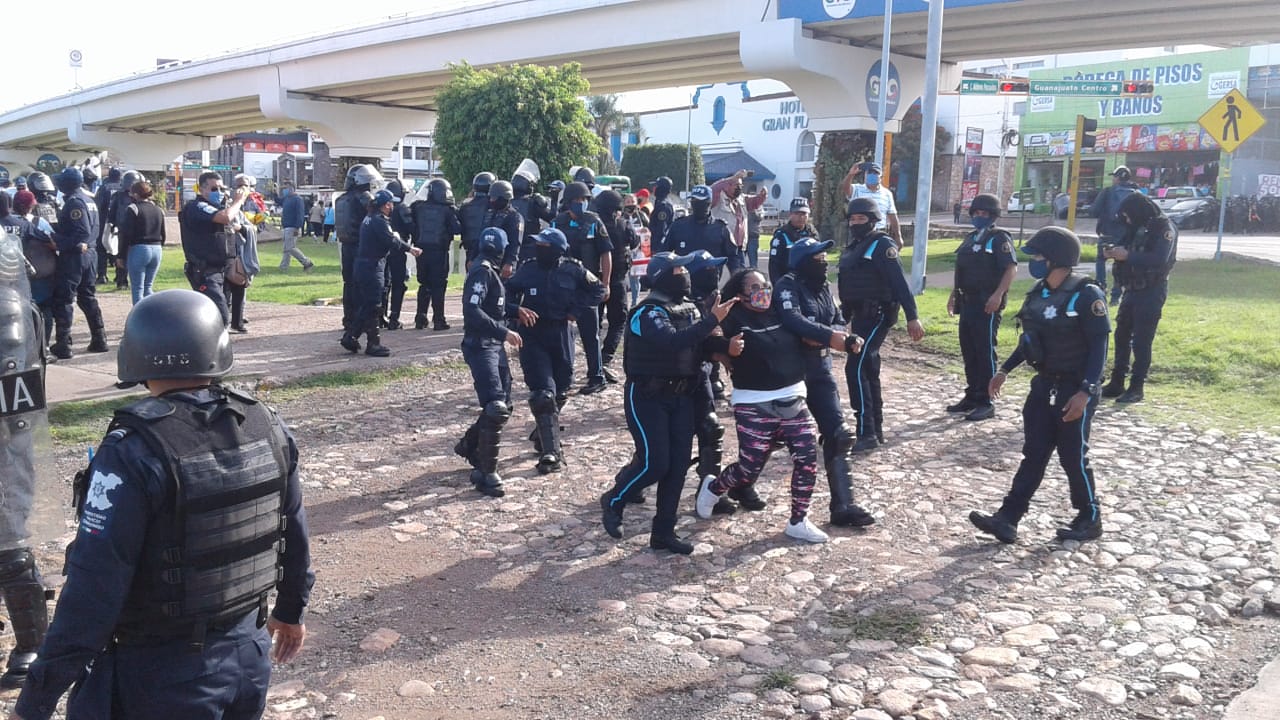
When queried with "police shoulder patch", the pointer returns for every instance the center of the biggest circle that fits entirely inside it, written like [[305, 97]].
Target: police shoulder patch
[[77, 214], [1006, 247], [1168, 234], [891, 252], [1099, 308]]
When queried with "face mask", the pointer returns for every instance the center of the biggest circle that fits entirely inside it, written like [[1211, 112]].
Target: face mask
[[705, 282], [498, 203], [215, 197], [873, 179], [980, 222], [861, 230], [579, 208], [700, 209], [547, 256], [673, 286], [759, 300], [814, 271], [1039, 269]]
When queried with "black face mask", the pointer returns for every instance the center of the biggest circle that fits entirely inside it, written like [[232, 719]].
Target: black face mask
[[675, 287], [813, 272], [862, 230], [547, 256], [705, 282], [498, 203], [700, 209]]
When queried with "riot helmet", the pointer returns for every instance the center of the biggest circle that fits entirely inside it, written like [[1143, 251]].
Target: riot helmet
[[481, 182], [500, 194], [868, 208], [662, 187], [396, 188], [521, 186], [985, 201], [173, 334], [438, 191], [576, 190], [608, 203], [1137, 210], [1057, 245], [526, 177], [70, 180], [128, 179], [586, 176], [40, 183], [493, 242], [90, 177], [364, 176], [700, 202]]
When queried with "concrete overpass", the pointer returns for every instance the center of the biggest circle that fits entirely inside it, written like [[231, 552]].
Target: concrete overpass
[[364, 88]]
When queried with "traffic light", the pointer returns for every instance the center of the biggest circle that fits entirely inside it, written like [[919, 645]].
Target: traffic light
[[1014, 87], [1135, 88], [1085, 129]]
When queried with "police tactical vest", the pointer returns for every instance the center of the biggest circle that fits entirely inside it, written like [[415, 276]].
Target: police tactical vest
[[582, 234], [859, 279], [348, 212], [643, 357], [977, 266], [1052, 334], [486, 272], [1140, 241], [472, 215], [432, 223], [215, 553], [207, 249], [47, 212]]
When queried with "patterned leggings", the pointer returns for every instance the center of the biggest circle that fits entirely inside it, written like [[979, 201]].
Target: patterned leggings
[[757, 430]]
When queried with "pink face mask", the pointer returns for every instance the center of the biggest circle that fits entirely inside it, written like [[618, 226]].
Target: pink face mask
[[760, 299]]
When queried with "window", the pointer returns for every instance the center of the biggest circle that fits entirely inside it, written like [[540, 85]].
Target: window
[[1028, 65], [807, 147], [805, 188]]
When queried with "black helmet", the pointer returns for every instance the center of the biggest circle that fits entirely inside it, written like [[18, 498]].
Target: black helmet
[[440, 192], [481, 182], [1058, 245], [521, 185], [662, 186], [986, 201], [1122, 172], [113, 175], [586, 176], [1138, 208], [173, 334], [576, 190], [38, 182], [396, 187], [608, 202], [128, 179], [501, 190], [70, 180], [864, 206], [360, 175]]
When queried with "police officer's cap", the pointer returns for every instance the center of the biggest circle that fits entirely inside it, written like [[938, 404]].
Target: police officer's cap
[[664, 262], [800, 205], [703, 260], [382, 197], [1058, 245], [501, 190], [553, 237], [871, 166], [482, 181], [1121, 172], [700, 193], [1138, 208], [806, 248], [985, 201], [20, 182], [576, 190], [556, 185], [864, 206], [70, 179], [586, 176], [493, 242], [173, 334]]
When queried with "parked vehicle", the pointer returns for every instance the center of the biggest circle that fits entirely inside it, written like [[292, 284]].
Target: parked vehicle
[[1022, 201], [1194, 213], [1173, 195]]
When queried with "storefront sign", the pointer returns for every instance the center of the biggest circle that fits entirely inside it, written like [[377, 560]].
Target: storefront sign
[[1269, 185], [790, 116]]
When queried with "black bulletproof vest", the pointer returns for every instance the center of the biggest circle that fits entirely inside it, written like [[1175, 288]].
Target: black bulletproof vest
[[214, 553], [432, 222], [202, 246], [642, 357], [1052, 333], [977, 267], [859, 279], [349, 211], [1141, 240], [582, 234], [472, 215]]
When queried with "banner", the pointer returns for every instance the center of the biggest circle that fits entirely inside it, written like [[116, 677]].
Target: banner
[[1268, 185]]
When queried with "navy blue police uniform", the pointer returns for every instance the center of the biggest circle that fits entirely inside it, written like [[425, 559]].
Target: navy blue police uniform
[[588, 241], [535, 210], [75, 282], [981, 262], [872, 290], [436, 225], [207, 246], [377, 241], [780, 248], [397, 281], [688, 235], [512, 224], [148, 622], [349, 211], [662, 359], [663, 215], [471, 215], [623, 240], [704, 279]]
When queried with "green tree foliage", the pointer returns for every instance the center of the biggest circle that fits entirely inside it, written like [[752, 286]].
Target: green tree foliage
[[906, 154], [490, 119], [645, 163], [839, 151], [607, 120]]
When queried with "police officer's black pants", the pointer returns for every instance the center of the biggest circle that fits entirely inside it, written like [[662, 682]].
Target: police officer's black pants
[[978, 331], [74, 284], [235, 303], [371, 287], [433, 279], [823, 398], [210, 285], [104, 262], [589, 332], [614, 310], [397, 283], [487, 359], [1044, 431], [546, 358], [862, 371], [350, 290], [1136, 322], [661, 425]]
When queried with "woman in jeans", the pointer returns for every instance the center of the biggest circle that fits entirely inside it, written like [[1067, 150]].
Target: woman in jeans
[[141, 240], [767, 367]]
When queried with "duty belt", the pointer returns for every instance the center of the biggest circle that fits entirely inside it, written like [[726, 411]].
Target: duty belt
[[671, 385]]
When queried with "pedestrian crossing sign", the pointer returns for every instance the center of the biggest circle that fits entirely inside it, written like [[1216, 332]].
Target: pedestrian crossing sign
[[1232, 120]]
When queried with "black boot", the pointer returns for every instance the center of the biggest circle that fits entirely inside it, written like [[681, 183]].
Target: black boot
[[1134, 393], [611, 515], [349, 342], [1114, 386], [835, 456], [98, 340], [376, 348], [1087, 525], [466, 447], [748, 498], [548, 430], [668, 540], [965, 405], [489, 442], [1002, 525], [26, 600], [420, 322], [61, 348]]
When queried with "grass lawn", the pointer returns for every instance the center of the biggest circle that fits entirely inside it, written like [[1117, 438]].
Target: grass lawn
[[942, 255]]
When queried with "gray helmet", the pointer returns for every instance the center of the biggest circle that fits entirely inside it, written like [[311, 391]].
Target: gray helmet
[[128, 179], [40, 182], [501, 190], [362, 174], [481, 182], [586, 176], [174, 334], [1058, 245], [986, 201], [864, 206]]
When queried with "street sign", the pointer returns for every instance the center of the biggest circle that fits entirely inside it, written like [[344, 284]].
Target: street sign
[[1232, 120], [1077, 88], [972, 86]]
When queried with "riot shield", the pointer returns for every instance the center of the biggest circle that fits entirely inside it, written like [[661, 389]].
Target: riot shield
[[32, 502], [529, 169]]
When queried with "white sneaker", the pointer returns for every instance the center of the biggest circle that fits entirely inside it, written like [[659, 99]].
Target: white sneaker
[[706, 499], [806, 531]]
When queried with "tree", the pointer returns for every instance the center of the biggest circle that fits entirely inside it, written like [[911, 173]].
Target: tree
[[645, 163], [906, 153], [490, 119], [839, 151], [607, 120]]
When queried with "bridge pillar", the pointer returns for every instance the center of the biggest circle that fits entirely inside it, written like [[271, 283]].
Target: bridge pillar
[[142, 151], [351, 130]]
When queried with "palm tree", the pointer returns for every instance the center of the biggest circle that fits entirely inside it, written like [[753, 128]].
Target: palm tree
[[607, 120]]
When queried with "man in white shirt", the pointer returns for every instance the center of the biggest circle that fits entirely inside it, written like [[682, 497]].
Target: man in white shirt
[[871, 188]]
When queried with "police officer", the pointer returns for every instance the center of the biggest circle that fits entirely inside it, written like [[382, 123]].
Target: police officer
[[102, 199], [41, 252], [398, 259], [542, 297], [1144, 258], [1110, 229], [76, 235], [590, 244], [473, 212], [662, 361], [795, 229], [208, 237], [377, 240], [349, 212], [804, 305], [663, 213], [623, 239], [160, 618], [534, 209], [502, 215], [872, 290], [47, 207], [699, 231], [484, 311], [1064, 337], [117, 209], [436, 224], [985, 266]]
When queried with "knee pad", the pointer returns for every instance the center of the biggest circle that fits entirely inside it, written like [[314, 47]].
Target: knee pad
[[709, 427], [843, 439], [17, 565], [543, 402], [497, 412]]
